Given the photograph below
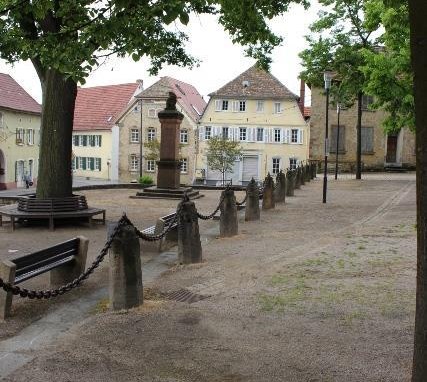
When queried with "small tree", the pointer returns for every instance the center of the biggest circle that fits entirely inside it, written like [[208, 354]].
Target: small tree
[[153, 150], [221, 155]]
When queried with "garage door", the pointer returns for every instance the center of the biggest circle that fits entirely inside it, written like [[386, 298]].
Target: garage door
[[250, 168]]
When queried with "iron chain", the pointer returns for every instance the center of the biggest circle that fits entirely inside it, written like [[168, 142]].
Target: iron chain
[[210, 216]]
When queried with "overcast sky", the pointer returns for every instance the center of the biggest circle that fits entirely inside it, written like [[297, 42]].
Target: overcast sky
[[221, 61]]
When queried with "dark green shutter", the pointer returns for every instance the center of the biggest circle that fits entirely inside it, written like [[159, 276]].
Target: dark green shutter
[[100, 144], [84, 164], [84, 140]]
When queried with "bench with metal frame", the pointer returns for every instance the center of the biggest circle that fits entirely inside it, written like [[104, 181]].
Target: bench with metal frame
[[171, 238], [65, 262]]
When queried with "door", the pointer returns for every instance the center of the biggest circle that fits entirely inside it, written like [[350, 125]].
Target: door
[[2, 170], [31, 169], [250, 169], [391, 148], [19, 173]]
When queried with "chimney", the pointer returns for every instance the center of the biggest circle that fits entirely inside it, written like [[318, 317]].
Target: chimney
[[140, 84], [301, 101]]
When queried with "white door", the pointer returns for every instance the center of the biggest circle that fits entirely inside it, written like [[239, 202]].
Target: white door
[[19, 173], [234, 176], [250, 168]]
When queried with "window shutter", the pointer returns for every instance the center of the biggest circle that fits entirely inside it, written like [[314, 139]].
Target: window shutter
[[300, 136], [218, 104], [235, 106], [84, 140], [92, 164], [99, 163], [282, 135], [100, 141], [201, 133]]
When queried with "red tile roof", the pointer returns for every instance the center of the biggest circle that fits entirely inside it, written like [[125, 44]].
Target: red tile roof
[[188, 96], [13, 96], [98, 107]]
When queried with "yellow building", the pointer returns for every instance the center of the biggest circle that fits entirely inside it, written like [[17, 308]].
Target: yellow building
[[20, 117], [265, 117], [96, 111]]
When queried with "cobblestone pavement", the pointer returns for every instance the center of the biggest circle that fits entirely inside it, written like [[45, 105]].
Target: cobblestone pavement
[[312, 292]]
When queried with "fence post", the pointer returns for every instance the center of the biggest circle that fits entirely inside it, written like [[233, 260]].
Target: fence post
[[252, 201], [280, 191], [290, 182], [189, 245], [268, 195], [7, 273], [126, 290], [68, 272], [228, 223]]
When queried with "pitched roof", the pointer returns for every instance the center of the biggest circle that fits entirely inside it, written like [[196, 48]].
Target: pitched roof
[[13, 96], [254, 83], [97, 107], [188, 96], [307, 111]]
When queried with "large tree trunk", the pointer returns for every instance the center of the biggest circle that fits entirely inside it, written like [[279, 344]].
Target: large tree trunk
[[417, 13], [359, 137], [59, 97]]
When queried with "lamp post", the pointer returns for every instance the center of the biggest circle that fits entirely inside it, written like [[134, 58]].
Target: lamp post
[[327, 76], [338, 139], [140, 138]]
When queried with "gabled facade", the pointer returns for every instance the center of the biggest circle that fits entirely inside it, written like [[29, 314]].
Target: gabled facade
[[20, 119], [379, 150], [139, 124], [264, 116], [96, 110]]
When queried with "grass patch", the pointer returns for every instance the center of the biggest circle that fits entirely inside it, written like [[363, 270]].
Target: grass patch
[[101, 306]]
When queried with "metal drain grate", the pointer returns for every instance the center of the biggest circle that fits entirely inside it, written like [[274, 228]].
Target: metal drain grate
[[184, 295]]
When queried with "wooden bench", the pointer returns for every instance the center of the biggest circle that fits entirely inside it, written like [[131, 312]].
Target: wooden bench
[[171, 238], [65, 262]]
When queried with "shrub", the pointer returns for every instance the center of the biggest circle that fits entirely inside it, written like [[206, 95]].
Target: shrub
[[146, 180]]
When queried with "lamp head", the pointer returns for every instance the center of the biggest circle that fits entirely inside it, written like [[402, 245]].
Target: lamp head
[[327, 77]]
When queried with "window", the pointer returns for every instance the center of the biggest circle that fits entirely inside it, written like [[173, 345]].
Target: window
[[30, 137], [242, 134], [84, 140], [277, 135], [293, 163], [97, 164], [75, 140], [367, 101], [134, 135], [242, 105], [151, 134], [208, 132], [19, 136], [82, 163], [259, 106], [73, 164], [152, 113], [97, 140], [333, 141], [276, 165], [260, 134], [151, 165], [184, 165], [184, 136], [367, 141], [134, 163], [91, 164], [225, 133], [224, 105], [80, 140], [294, 135], [277, 107]]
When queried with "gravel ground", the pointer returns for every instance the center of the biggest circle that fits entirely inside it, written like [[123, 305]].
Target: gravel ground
[[312, 292]]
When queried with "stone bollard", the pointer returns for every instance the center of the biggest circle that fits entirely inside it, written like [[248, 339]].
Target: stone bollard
[[189, 245], [252, 201], [228, 223], [313, 170], [302, 175], [268, 195], [307, 173], [280, 191], [290, 182], [126, 289], [297, 178]]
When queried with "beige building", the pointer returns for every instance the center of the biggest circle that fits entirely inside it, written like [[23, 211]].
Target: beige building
[[130, 155], [96, 111], [20, 118], [265, 117], [379, 150]]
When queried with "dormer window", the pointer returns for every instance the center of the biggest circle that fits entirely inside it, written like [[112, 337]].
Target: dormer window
[[152, 113]]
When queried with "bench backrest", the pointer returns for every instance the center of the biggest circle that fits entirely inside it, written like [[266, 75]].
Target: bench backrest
[[45, 260], [168, 219]]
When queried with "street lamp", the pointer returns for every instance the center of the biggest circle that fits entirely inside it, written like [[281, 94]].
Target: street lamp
[[338, 139], [327, 76]]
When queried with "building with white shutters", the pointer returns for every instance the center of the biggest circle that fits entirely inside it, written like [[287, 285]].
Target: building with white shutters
[[265, 117]]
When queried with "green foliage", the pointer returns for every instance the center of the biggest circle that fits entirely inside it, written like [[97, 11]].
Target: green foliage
[[222, 153], [145, 180], [153, 150]]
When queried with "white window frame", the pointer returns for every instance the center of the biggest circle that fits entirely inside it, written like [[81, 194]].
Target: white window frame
[[225, 104], [97, 140], [208, 133], [277, 138], [30, 137], [275, 169], [294, 138], [225, 129], [184, 165], [134, 163], [20, 135], [183, 136], [260, 106], [242, 106], [134, 135], [260, 130], [150, 165], [151, 134], [243, 133], [278, 108], [97, 166], [293, 163]]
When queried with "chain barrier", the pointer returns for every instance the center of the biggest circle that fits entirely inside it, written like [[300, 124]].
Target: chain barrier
[[46, 294], [210, 216], [243, 201]]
